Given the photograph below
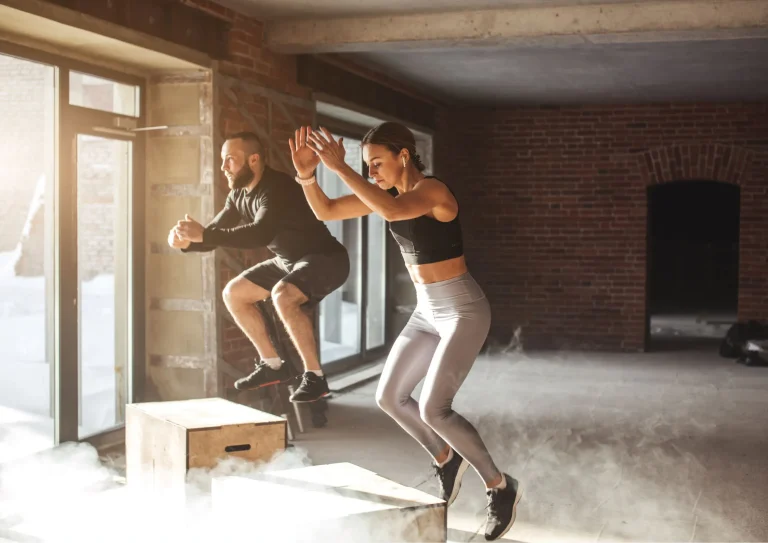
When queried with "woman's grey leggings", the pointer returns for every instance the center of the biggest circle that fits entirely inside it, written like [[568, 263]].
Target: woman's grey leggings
[[439, 344]]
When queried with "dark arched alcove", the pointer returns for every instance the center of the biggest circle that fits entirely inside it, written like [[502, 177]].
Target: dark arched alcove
[[693, 248]]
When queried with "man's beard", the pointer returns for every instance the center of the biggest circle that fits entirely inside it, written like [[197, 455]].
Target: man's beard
[[243, 177]]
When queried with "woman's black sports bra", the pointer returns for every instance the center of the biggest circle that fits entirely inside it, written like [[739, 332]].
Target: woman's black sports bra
[[425, 240]]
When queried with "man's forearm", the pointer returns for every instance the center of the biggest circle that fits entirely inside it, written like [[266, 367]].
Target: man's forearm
[[249, 236], [226, 218], [197, 248]]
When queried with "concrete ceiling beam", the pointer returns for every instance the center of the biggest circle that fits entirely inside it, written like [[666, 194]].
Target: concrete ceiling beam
[[596, 23]]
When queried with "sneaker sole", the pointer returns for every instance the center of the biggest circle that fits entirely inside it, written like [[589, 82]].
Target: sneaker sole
[[310, 401], [271, 383], [514, 510], [457, 483]]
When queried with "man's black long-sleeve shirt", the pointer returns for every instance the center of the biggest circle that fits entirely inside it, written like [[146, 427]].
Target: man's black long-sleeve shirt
[[275, 214]]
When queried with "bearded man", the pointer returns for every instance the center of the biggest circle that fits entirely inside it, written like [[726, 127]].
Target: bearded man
[[309, 263]]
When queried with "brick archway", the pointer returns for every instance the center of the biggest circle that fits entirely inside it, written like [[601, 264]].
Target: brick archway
[[687, 163], [714, 162]]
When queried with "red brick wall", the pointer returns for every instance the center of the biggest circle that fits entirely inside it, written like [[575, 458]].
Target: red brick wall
[[250, 60], [252, 64], [555, 211]]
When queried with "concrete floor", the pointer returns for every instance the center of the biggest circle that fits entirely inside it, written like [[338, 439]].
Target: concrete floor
[[663, 446]]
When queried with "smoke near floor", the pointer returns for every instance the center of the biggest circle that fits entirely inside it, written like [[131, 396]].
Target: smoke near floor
[[663, 446]]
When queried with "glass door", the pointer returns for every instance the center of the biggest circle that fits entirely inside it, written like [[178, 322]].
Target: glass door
[[99, 250], [376, 279], [97, 253], [104, 178], [341, 312], [353, 318]]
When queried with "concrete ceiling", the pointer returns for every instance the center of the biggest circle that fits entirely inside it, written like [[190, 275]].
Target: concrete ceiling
[[506, 52], [717, 70]]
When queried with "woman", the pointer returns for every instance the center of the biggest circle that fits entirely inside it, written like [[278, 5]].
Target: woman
[[452, 317]]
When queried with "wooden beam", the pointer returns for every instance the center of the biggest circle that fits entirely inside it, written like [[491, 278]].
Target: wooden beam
[[62, 31], [169, 20]]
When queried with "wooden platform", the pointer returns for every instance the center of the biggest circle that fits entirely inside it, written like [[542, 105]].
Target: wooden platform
[[334, 502], [164, 440]]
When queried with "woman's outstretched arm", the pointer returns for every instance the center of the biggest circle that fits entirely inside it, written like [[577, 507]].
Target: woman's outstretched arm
[[305, 160], [426, 195], [348, 206]]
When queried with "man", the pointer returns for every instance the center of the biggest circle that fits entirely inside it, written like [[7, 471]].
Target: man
[[309, 262]]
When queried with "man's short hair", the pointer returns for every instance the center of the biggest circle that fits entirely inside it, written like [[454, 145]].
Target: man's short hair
[[253, 145]]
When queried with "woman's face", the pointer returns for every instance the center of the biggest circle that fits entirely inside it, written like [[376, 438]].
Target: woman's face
[[384, 166]]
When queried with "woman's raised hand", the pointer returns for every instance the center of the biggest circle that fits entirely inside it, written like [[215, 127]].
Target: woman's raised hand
[[305, 160]]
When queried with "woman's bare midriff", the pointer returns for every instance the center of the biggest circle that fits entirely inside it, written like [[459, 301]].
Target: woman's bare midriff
[[437, 271]]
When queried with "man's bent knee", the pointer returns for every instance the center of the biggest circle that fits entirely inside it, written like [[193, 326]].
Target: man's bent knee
[[242, 291], [286, 295]]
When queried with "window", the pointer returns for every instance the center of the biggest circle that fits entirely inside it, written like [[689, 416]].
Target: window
[[27, 106], [98, 93], [67, 258], [353, 318]]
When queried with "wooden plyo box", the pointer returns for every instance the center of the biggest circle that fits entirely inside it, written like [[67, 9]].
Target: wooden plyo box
[[334, 502], [164, 440]]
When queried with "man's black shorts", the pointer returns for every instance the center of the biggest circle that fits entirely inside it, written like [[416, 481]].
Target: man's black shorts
[[316, 275]]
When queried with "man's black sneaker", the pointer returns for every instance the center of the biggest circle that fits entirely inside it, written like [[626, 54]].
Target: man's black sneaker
[[502, 508], [312, 388], [449, 477], [264, 376]]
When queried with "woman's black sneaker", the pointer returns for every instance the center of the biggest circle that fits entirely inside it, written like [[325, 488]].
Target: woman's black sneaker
[[502, 508], [449, 477]]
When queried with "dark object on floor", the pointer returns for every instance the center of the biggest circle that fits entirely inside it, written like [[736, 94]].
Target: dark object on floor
[[756, 354], [318, 409], [746, 342], [735, 341]]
